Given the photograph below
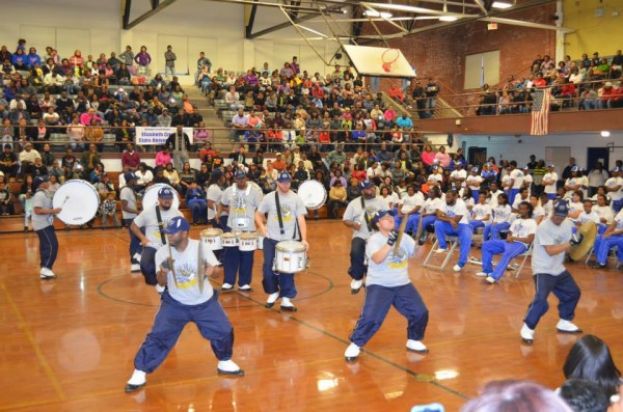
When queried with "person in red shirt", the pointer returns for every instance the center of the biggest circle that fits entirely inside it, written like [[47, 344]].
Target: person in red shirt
[[395, 92], [207, 151], [130, 158], [540, 81], [279, 164]]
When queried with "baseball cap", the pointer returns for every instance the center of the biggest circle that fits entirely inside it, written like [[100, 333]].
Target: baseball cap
[[216, 174], [475, 169], [575, 169], [561, 208], [165, 193], [129, 176], [381, 214], [38, 180], [284, 177], [239, 175], [176, 225], [366, 184]]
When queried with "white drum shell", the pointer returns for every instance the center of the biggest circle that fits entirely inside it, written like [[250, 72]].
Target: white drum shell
[[247, 242], [78, 200], [229, 240], [313, 194], [290, 257], [211, 238]]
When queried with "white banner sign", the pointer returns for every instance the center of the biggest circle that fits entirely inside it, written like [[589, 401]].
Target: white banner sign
[[158, 135]]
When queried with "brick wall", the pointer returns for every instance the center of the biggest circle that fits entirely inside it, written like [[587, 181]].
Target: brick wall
[[441, 53]]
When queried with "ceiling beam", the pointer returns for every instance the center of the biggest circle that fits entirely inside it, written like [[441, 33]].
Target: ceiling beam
[[159, 6], [523, 23], [248, 29], [283, 25]]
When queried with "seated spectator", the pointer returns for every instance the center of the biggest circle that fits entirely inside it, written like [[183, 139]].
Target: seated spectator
[[516, 396], [172, 176], [130, 159], [197, 203], [337, 199], [187, 176], [453, 220], [6, 200], [76, 134], [27, 159], [163, 157]]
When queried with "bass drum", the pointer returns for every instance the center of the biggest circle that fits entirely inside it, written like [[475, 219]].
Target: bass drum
[[150, 197], [78, 200], [313, 194]]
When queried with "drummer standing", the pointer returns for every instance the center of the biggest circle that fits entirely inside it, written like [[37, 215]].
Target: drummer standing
[[214, 193], [358, 217], [241, 200], [189, 297], [43, 225], [388, 284], [286, 221], [128, 212], [153, 220], [551, 242]]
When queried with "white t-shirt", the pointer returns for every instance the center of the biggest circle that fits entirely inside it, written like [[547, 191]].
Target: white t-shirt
[[588, 217], [143, 179], [148, 220], [242, 206], [214, 193], [551, 188], [411, 202], [458, 174], [493, 200], [393, 270], [517, 176], [502, 214], [480, 212], [527, 182], [473, 182], [538, 212], [618, 219], [128, 195], [604, 212], [522, 228], [432, 205], [457, 209], [548, 234], [185, 263], [506, 181], [614, 182], [518, 200], [389, 201], [435, 178]]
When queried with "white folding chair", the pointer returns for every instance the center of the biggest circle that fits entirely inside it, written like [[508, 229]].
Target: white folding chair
[[523, 258], [452, 242]]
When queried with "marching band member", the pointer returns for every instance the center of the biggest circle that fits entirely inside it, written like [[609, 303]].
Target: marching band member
[[358, 216], [458, 176], [516, 177], [240, 200], [573, 183], [613, 236], [549, 182], [410, 203], [576, 206], [453, 220], [605, 213], [188, 297], [494, 192], [528, 180], [388, 284], [488, 174], [538, 213], [524, 196], [129, 211], [285, 221], [551, 243], [547, 204], [429, 212], [214, 193], [481, 213], [43, 225], [520, 236], [153, 220], [501, 219]]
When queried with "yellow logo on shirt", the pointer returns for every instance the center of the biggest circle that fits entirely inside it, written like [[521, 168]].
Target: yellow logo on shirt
[[397, 260]]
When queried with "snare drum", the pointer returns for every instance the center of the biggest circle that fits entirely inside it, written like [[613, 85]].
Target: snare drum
[[247, 242], [211, 238], [290, 257], [230, 239], [313, 194], [150, 197], [78, 200]]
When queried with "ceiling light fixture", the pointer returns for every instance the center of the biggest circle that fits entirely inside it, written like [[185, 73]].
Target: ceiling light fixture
[[502, 5], [374, 13], [605, 133], [447, 17]]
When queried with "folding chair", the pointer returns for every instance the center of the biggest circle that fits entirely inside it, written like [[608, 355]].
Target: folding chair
[[524, 257], [452, 242]]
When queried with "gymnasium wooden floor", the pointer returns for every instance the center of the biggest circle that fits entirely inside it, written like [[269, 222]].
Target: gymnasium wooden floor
[[68, 344]]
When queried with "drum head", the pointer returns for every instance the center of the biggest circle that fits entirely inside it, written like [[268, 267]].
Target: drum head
[[150, 198], [78, 200], [290, 246], [313, 194], [211, 232]]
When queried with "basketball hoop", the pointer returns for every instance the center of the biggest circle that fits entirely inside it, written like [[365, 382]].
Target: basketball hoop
[[388, 59]]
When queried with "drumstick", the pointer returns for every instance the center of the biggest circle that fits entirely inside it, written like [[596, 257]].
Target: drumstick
[[200, 267], [170, 259], [401, 231]]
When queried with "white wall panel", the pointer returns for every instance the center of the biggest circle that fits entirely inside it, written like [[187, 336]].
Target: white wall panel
[[180, 48], [35, 36], [69, 40]]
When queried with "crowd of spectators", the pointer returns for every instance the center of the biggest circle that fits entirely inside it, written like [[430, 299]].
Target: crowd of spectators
[[584, 84], [83, 100], [289, 105]]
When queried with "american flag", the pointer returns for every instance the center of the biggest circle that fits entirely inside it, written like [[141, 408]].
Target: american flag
[[541, 99]]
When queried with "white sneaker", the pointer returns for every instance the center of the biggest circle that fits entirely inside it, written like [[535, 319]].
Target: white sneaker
[[440, 250], [287, 305], [46, 273], [352, 352], [226, 287], [355, 286], [416, 346], [272, 298], [229, 367], [565, 326], [527, 334], [135, 267], [137, 257], [457, 268], [138, 379], [482, 274], [160, 289], [490, 279], [245, 288]]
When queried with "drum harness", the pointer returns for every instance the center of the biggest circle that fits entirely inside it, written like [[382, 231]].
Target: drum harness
[[280, 218]]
